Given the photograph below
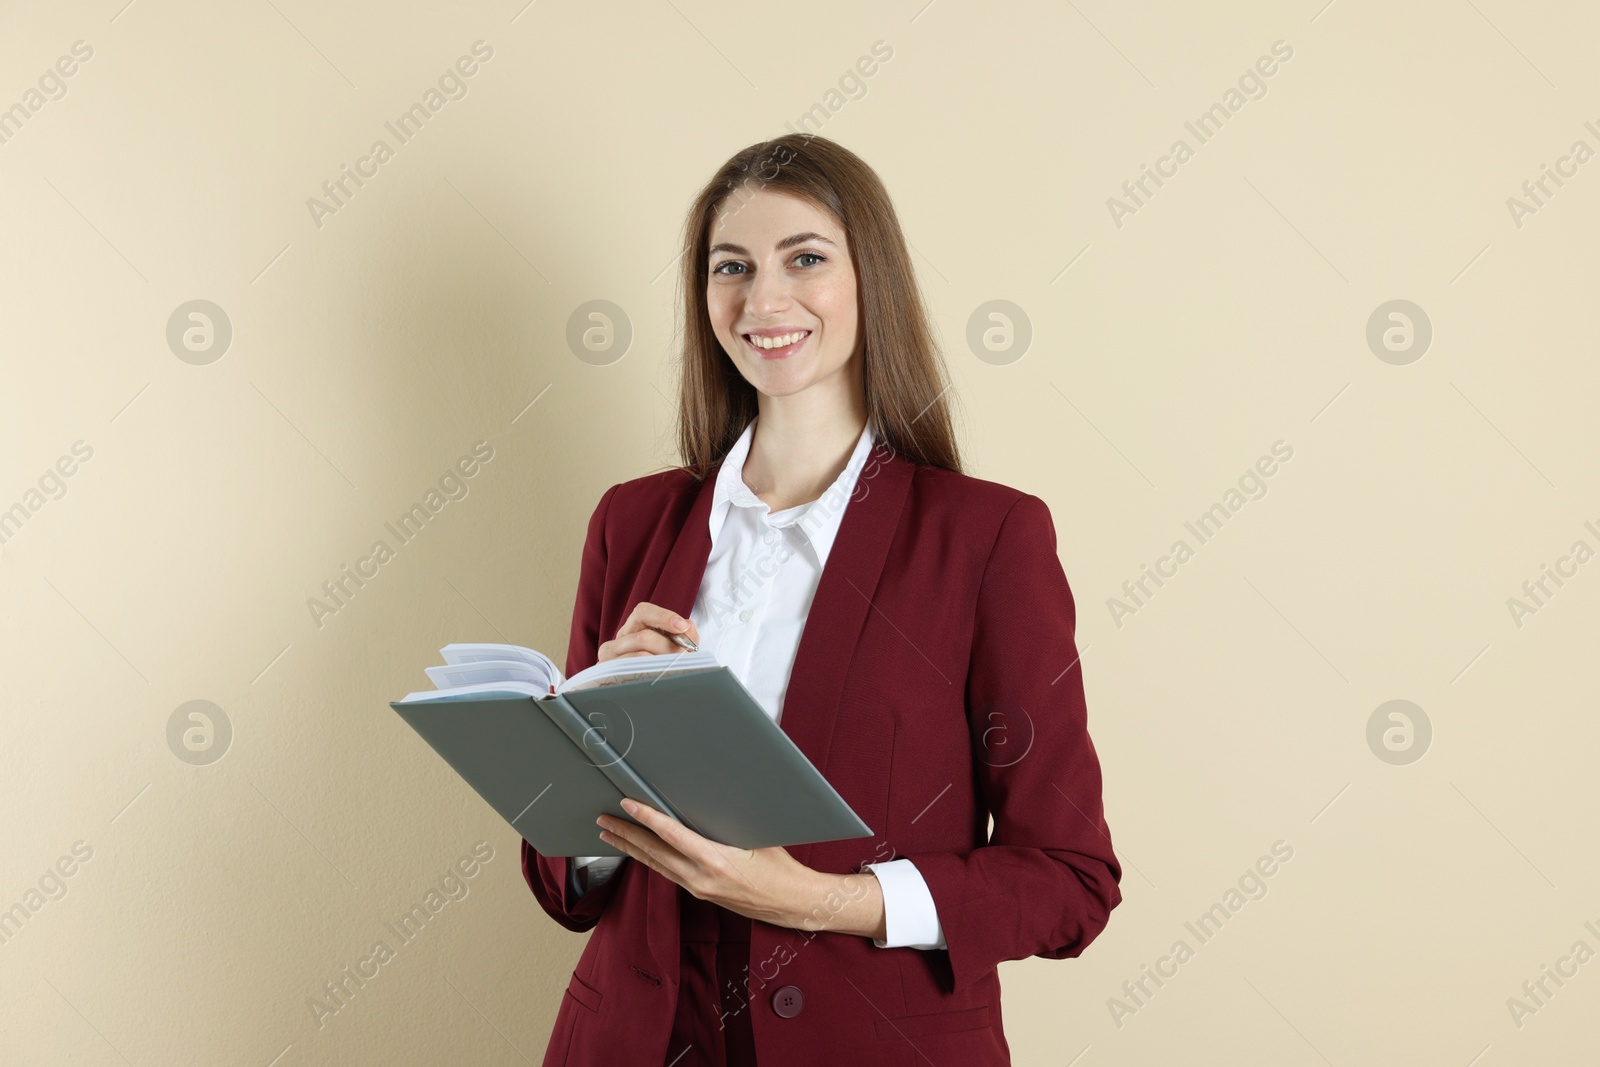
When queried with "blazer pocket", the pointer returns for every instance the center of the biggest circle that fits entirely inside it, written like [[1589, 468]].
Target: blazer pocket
[[584, 993], [944, 1022]]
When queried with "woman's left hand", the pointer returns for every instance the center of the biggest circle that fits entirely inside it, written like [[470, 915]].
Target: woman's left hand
[[764, 883]]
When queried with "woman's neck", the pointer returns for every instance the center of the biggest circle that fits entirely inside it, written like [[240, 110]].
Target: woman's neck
[[802, 444]]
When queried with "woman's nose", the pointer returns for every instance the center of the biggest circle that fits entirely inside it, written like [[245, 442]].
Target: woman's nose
[[769, 292]]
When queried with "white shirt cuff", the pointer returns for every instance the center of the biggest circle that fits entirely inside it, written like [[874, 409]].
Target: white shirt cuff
[[596, 869], [909, 917]]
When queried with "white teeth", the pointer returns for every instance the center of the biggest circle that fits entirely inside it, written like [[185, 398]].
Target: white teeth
[[776, 342]]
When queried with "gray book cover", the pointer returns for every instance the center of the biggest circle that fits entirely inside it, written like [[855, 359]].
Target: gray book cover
[[695, 745]]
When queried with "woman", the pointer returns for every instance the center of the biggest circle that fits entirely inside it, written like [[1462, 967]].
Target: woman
[[909, 627]]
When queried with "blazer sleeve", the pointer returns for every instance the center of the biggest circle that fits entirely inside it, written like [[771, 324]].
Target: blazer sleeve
[[1046, 881], [547, 876]]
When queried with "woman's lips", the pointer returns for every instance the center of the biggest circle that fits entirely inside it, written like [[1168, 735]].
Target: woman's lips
[[775, 353]]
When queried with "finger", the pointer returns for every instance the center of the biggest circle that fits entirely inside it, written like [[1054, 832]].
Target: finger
[[697, 852], [648, 848], [676, 835], [648, 642], [692, 634], [645, 641], [631, 851], [644, 845], [625, 846], [646, 614], [626, 655], [671, 622]]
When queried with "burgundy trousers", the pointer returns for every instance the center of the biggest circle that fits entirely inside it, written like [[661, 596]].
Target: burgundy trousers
[[712, 1025]]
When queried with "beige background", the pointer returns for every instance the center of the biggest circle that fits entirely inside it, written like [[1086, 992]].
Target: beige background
[[1168, 354]]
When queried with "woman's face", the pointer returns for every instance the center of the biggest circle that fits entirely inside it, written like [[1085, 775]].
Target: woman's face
[[781, 291]]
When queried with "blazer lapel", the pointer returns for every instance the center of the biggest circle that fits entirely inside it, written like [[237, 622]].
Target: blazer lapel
[[840, 606]]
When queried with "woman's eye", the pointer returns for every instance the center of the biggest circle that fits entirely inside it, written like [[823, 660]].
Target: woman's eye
[[732, 267]]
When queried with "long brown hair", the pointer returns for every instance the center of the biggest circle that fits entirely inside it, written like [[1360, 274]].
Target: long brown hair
[[906, 384]]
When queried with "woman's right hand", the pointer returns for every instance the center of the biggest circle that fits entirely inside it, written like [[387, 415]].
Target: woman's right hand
[[637, 638]]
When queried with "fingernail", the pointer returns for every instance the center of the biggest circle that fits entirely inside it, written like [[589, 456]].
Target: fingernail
[[601, 821], [682, 624], [630, 807]]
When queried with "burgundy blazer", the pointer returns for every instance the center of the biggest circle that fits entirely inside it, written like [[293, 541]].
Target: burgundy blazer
[[936, 684]]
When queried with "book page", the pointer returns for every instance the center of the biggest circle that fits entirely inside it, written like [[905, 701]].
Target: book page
[[543, 666], [490, 670], [639, 669]]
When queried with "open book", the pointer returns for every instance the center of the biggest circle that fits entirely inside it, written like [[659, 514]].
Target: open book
[[676, 731], [470, 669]]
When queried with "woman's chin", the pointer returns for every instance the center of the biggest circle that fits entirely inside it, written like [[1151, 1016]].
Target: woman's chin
[[776, 381]]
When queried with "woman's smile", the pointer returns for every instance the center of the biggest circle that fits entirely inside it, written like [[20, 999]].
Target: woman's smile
[[776, 343]]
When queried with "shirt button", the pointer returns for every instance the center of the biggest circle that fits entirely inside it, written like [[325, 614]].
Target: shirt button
[[769, 537], [744, 616]]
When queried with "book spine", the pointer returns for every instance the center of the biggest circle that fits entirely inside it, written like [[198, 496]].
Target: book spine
[[593, 744]]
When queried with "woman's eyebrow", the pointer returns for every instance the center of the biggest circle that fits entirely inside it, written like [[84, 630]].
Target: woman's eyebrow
[[787, 242]]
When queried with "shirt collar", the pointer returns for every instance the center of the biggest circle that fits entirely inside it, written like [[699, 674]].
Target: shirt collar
[[819, 522]]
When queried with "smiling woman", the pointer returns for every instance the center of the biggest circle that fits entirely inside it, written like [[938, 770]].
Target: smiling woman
[[883, 630]]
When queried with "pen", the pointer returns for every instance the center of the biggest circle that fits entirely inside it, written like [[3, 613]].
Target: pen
[[681, 640]]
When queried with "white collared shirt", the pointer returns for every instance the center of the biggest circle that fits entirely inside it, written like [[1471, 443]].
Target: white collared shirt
[[759, 582]]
